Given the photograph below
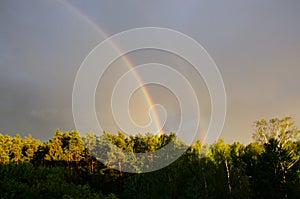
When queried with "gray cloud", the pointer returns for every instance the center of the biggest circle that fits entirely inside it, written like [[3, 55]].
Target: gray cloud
[[255, 44]]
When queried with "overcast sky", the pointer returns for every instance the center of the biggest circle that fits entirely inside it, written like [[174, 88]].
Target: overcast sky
[[255, 44]]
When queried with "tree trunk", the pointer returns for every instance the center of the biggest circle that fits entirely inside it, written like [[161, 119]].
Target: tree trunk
[[228, 176]]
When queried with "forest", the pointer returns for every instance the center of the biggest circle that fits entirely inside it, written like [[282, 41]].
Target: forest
[[65, 167]]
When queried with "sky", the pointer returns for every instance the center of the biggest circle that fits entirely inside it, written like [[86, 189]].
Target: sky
[[255, 44]]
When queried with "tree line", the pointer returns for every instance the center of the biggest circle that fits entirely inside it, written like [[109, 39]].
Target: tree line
[[68, 166]]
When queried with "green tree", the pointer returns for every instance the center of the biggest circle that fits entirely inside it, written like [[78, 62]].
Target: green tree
[[277, 170], [5, 144], [55, 148], [15, 152], [239, 178], [278, 164], [89, 141], [283, 130], [221, 156], [73, 145], [30, 146]]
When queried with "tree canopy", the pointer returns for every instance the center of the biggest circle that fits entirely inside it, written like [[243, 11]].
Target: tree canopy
[[66, 166]]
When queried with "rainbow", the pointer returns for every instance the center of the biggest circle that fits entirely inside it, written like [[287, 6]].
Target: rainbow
[[124, 58]]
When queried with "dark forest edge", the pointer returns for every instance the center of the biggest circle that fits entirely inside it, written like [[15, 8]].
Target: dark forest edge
[[63, 167]]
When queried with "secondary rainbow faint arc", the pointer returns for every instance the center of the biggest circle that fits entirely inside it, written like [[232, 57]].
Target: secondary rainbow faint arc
[[124, 58]]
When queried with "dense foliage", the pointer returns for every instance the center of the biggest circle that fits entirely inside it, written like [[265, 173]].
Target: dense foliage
[[64, 167]]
